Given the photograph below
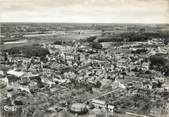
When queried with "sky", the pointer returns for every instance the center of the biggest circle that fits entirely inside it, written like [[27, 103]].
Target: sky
[[85, 11]]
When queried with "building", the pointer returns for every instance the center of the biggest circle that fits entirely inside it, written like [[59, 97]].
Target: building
[[14, 75], [102, 104], [78, 108]]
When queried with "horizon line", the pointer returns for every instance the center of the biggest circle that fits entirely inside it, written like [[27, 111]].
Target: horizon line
[[33, 22]]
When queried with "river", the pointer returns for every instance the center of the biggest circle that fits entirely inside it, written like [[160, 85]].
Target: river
[[45, 39]]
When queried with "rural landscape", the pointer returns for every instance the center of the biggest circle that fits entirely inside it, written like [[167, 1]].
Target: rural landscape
[[84, 70]]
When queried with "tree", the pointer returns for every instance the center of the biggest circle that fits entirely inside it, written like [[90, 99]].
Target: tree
[[14, 50], [58, 42], [98, 84], [91, 39], [96, 45], [159, 63], [29, 51], [166, 41], [158, 60]]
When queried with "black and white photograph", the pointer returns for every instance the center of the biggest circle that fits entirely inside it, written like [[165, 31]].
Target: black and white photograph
[[84, 58]]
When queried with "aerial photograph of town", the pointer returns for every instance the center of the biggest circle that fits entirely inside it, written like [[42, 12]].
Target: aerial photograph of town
[[89, 69]]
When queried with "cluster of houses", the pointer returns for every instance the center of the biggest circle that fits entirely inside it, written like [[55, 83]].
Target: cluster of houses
[[67, 67]]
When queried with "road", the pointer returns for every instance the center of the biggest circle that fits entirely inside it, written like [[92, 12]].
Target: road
[[117, 89]]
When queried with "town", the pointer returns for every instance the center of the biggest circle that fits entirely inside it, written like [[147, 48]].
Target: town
[[100, 75]]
